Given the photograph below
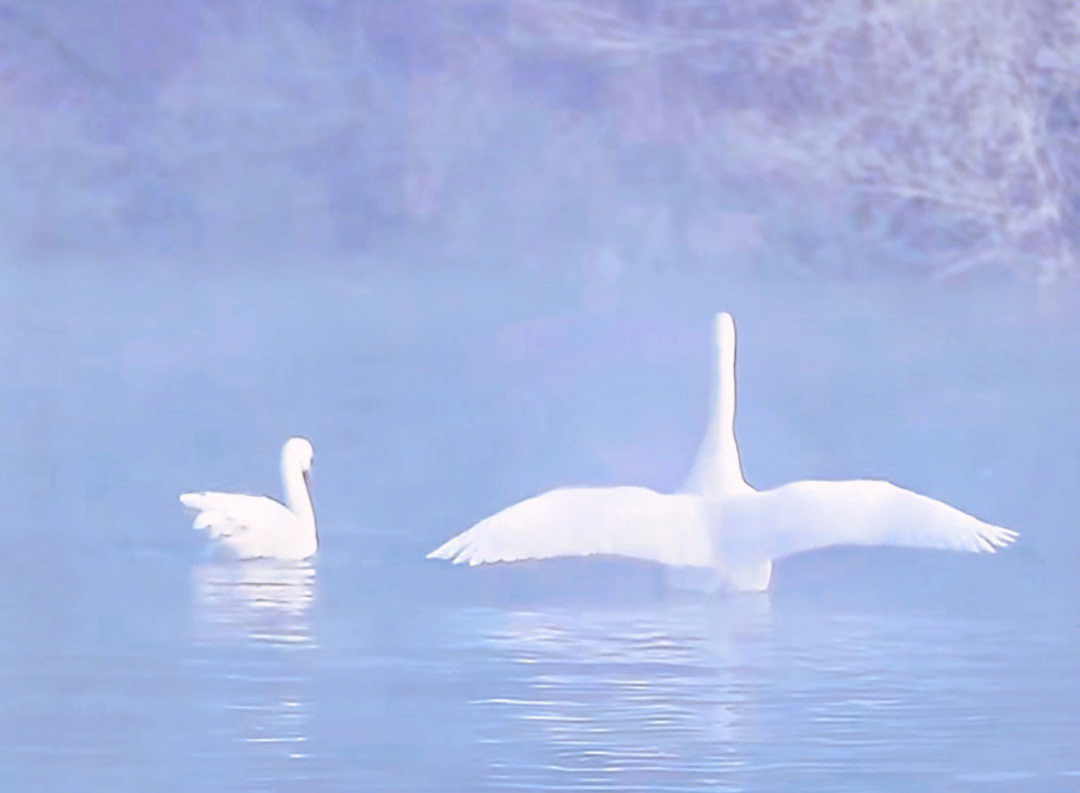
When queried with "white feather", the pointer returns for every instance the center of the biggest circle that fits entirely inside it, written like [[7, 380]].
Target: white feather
[[802, 516], [621, 521]]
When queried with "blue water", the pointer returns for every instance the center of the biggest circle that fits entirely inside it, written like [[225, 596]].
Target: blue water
[[132, 659]]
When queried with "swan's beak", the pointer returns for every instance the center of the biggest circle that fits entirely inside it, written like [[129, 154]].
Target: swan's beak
[[306, 473]]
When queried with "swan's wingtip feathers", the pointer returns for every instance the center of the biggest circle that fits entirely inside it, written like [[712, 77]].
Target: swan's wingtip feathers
[[994, 538], [452, 550], [465, 549], [440, 553], [472, 556]]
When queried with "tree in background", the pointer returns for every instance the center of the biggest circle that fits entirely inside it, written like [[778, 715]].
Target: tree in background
[[947, 130], [931, 136]]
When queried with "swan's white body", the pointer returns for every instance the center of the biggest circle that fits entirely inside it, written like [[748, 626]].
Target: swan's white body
[[719, 521], [259, 526]]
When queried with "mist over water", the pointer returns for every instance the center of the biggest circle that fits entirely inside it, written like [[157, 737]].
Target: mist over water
[[133, 658], [473, 252]]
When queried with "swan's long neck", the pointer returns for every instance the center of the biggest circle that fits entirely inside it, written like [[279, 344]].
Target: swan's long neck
[[718, 469], [297, 495]]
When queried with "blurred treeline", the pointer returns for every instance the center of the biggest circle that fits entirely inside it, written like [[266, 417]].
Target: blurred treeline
[[837, 137]]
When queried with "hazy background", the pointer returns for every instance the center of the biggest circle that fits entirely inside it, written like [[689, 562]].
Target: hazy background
[[472, 251], [834, 139]]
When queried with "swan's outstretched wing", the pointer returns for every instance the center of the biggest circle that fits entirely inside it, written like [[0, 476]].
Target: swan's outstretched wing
[[620, 521], [807, 515], [242, 522]]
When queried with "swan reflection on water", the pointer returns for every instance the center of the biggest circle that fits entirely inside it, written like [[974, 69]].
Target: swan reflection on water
[[257, 612], [737, 693], [260, 599], [617, 694]]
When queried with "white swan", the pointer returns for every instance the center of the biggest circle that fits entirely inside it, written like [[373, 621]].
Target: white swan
[[259, 526], [719, 521]]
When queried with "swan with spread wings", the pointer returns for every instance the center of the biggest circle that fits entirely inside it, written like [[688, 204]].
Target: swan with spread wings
[[718, 521]]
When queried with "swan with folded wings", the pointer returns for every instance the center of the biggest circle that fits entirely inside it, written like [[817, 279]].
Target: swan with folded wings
[[260, 526]]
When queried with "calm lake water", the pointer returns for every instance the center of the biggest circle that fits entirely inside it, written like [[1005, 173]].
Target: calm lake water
[[133, 659]]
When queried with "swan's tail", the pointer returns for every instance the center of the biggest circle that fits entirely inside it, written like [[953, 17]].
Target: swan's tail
[[718, 468], [209, 517]]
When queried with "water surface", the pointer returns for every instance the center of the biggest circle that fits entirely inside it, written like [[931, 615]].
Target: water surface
[[130, 658]]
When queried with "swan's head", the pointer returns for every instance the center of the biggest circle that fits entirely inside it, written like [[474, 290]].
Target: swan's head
[[725, 330], [298, 453]]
